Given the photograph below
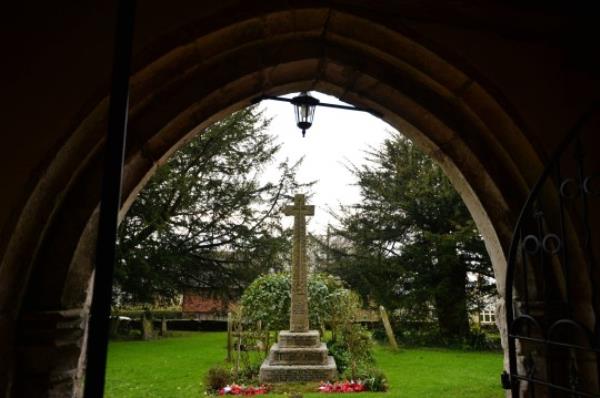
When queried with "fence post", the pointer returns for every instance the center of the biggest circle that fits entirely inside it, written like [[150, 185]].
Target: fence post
[[267, 341], [239, 349], [229, 330]]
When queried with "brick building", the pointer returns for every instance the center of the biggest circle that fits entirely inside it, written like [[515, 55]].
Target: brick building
[[202, 305]]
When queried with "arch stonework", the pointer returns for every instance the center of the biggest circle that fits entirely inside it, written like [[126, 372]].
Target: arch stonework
[[449, 84]]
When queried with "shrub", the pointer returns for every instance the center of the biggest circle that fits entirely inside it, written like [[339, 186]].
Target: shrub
[[217, 377], [375, 380], [357, 341], [477, 340], [379, 334], [480, 341], [340, 353], [249, 369], [267, 299], [344, 308], [352, 350]]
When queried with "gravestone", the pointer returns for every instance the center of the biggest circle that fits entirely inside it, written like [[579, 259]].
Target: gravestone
[[299, 354], [147, 326], [388, 327], [163, 327]]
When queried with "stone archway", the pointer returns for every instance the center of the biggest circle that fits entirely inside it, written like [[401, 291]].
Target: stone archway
[[199, 69]]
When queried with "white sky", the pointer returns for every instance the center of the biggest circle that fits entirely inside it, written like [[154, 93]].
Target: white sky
[[336, 138]]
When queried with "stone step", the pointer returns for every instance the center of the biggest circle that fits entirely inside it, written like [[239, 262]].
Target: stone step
[[298, 355], [297, 373], [289, 339]]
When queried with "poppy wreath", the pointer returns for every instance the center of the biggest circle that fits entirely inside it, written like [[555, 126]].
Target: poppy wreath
[[342, 386], [236, 389]]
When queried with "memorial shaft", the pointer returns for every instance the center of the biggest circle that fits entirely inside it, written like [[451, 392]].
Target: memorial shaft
[[299, 305]]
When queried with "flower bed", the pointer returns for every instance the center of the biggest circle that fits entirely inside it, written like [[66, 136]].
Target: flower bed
[[235, 389], [342, 386]]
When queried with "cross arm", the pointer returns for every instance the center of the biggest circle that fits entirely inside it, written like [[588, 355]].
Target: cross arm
[[307, 210]]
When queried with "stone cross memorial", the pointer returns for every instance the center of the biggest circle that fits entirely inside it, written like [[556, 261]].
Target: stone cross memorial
[[298, 354], [299, 307]]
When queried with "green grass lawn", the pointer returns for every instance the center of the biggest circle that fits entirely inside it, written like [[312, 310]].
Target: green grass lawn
[[175, 367]]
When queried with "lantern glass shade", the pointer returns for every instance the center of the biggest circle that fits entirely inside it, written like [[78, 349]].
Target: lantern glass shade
[[304, 109]]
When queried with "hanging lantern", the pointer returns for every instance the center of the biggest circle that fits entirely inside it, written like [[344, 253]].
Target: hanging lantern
[[304, 108]]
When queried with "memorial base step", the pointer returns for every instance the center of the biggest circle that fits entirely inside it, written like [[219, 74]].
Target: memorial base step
[[270, 373], [298, 355], [288, 339]]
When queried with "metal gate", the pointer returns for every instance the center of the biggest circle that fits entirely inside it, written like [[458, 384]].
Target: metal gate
[[552, 307]]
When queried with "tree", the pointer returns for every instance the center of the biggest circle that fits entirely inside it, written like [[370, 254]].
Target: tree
[[410, 243], [204, 220]]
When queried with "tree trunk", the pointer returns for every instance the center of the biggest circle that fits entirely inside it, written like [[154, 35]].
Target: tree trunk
[[451, 301]]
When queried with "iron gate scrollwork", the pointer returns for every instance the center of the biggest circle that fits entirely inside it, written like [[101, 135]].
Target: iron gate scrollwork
[[552, 298]]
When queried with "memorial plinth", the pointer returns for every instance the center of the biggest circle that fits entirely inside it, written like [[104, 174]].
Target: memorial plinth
[[298, 354], [298, 357]]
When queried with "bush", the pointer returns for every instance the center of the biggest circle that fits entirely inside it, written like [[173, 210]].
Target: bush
[[379, 334], [340, 353], [249, 369], [481, 341], [375, 380], [414, 337], [217, 377], [477, 340], [352, 350], [267, 299], [344, 310]]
